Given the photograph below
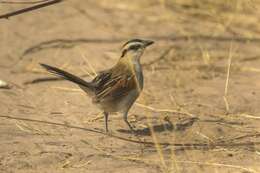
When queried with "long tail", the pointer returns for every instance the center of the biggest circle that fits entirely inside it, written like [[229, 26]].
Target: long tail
[[86, 86]]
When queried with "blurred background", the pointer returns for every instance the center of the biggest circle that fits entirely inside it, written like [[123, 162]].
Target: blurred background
[[201, 85]]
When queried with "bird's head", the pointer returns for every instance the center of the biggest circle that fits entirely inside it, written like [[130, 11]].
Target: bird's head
[[134, 48]]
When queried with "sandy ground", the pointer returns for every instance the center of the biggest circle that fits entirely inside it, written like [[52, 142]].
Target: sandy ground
[[52, 126]]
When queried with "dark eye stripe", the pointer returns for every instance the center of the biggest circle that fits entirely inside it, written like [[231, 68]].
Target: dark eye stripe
[[134, 47]]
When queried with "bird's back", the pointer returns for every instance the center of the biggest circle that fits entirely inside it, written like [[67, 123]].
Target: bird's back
[[117, 88]]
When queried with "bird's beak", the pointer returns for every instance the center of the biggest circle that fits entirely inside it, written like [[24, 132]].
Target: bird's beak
[[148, 43]]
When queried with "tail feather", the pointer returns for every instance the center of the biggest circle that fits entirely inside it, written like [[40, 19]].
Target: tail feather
[[68, 76]]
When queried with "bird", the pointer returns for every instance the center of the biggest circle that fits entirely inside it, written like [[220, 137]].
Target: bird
[[117, 88]]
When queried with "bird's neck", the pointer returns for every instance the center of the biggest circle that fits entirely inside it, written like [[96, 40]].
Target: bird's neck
[[131, 61], [134, 65]]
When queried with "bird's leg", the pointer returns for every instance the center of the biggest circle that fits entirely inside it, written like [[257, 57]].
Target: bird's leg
[[125, 119], [106, 119]]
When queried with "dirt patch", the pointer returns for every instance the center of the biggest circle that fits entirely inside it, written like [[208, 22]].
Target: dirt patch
[[51, 125]]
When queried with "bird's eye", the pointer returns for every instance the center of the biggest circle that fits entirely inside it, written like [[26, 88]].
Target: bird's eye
[[134, 47]]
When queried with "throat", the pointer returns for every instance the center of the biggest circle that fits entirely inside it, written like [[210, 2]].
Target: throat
[[136, 66]]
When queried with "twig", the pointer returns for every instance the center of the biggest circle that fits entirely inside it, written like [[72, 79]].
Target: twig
[[68, 89], [248, 116], [156, 161], [163, 110], [24, 10], [217, 164], [121, 157], [257, 134], [27, 128], [227, 80], [70, 43], [19, 2], [150, 143]]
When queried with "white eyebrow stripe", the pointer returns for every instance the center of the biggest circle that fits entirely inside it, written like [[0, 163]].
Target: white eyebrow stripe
[[133, 43]]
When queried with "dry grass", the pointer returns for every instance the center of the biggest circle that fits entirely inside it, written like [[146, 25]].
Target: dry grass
[[227, 80], [216, 18]]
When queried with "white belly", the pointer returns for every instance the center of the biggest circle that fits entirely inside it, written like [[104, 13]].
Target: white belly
[[126, 103]]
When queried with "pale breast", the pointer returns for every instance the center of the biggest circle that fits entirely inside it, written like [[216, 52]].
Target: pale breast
[[124, 91], [139, 73], [126, 102]]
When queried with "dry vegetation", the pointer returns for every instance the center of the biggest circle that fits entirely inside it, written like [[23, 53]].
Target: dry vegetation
[[199, 111]]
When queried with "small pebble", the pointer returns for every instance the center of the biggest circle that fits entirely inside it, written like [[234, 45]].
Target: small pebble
[[4, 85]]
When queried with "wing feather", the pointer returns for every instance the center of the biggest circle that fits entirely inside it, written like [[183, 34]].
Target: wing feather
[[113, 84]]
